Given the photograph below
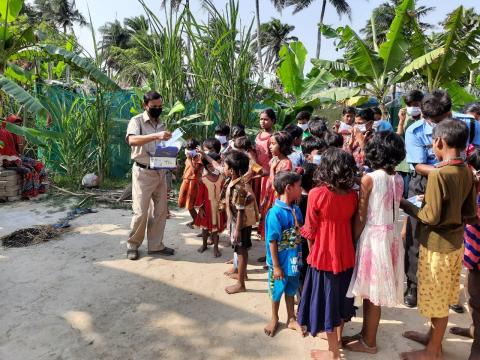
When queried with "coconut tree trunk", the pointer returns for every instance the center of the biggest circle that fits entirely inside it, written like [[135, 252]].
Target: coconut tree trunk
[[259, 49], [320, 25]]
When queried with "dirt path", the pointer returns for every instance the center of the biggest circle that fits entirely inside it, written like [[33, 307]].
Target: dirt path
[[79, 298]]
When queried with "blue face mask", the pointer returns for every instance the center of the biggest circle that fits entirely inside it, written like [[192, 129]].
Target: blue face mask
[[192, 153]]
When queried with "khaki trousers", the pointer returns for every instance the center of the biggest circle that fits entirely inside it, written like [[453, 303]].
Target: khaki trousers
[[150, 208]]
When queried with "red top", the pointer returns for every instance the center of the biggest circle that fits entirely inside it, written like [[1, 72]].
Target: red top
[[262, 143], [328, 224]]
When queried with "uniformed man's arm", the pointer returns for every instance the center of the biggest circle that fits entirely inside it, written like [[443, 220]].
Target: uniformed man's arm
[[139, 140]]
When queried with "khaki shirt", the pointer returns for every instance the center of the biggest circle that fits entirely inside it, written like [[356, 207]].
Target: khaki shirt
[[142, 125], [240, 197]]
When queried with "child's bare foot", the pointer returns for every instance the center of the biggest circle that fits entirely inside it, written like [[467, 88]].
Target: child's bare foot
[[420, 355], [324, 355], [459, 331], [216, 253], [360, 346], [202, 249], [234, 276], [235, 289], [417, 337], [230, 271], [271, 328], [292, 324]]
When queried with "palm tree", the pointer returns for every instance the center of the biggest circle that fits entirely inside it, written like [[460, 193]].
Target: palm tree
[[114, 34], [341, 6], [61, 13], [274, 35], [383, 16], [136, 24]]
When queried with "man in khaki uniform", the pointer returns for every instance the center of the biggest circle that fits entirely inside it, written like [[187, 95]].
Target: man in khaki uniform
[[149, 187]]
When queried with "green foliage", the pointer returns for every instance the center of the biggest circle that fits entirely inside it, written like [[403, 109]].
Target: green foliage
[[11, 88]]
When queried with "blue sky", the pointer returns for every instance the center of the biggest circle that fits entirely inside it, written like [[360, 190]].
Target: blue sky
[[304, 22]]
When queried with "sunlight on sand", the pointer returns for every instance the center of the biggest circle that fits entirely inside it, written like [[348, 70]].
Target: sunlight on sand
[[109, 229], [82, 322]]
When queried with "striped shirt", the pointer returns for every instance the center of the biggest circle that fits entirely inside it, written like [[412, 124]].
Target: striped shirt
[[471, 240]]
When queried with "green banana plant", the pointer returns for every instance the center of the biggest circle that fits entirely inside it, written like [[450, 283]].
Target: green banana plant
[[302, 91], [441, 61], [373, 70]]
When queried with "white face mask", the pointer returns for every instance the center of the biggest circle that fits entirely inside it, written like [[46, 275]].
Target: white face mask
[[362, 128], [317, 159], [304, 127], [216, 172], [344, 128], [221, 138], [414, 111]]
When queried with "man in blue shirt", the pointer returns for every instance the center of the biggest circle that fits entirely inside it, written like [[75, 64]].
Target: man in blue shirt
[[418, 141], [282, 243]]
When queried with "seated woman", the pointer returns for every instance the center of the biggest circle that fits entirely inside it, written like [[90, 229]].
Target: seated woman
[[11, 158]]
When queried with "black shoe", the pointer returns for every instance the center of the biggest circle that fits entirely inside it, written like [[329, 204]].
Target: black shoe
[[410, 298], [165, 251], [459, 309], [132, 254]]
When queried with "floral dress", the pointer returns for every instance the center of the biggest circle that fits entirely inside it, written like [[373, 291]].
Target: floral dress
[[378, 274]]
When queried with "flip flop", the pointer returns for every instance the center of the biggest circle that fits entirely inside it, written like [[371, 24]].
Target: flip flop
[[361, 346]]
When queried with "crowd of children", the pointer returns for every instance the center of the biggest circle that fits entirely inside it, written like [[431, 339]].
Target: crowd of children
[[326, 201]]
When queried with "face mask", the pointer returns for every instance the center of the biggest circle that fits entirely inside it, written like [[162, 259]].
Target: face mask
[[304, 127], [215, 172], [317, 159], [221, 138], [413, 111], [362, 128], [192, 153], [344, 128], [155, 112]]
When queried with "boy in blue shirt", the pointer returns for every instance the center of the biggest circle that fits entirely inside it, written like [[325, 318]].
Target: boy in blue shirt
[[283, 246]]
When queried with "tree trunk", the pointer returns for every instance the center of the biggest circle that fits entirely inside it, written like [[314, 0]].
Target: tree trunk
[[320, 25], [471, 80], [259, 49]]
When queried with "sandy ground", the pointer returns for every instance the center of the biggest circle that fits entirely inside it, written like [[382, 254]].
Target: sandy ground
[[79, 298]]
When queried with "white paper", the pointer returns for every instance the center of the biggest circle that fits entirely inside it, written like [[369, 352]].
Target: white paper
[[175, 139], [163, 162], [415, 201]]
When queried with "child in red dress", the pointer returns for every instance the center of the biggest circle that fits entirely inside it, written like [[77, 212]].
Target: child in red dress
[[331, 207], [210, 218], [191, 176]]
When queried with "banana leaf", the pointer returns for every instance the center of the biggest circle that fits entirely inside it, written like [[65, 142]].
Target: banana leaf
[[178, 107], [85, 65], [30, 103], [394, 49], [290, 72], [459, 95], [9, 9], [420, 63], [34, 136]]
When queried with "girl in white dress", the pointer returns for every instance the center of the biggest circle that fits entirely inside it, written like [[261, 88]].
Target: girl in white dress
[[378, 275]]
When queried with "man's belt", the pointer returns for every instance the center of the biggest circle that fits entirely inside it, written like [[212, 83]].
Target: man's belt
[[143, 166]]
